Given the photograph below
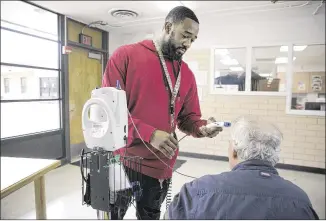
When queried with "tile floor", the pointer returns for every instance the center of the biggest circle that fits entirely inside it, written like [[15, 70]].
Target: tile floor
[[63, 189]]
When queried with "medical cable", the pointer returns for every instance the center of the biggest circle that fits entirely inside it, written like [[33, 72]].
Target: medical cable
[[154, 152]]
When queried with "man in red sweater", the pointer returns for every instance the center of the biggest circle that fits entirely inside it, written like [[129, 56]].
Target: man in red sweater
[[161, 94]]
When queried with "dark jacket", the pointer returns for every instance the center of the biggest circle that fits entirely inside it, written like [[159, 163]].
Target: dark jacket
[[252, 190]]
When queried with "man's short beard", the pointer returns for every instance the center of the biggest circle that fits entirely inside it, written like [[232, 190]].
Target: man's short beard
[[169, 50]]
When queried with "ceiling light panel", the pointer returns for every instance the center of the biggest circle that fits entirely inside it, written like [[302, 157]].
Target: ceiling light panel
[[295, 48], [282, 60]]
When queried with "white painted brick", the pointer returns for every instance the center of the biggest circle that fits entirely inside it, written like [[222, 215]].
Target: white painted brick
[[304, 145], [320, 146], [285, 119], [269, 119], [303, 157], [249, 106], [223, 110], [210, 99], [217, 105], [306, 121], [321, 133], [199, 151], [268, 106], [258, 112], [302, 132], [276, 101], [293, 150], [314, 164], [289, 133], [280, 125], [275, 113], [293, 161], [281, 160], [242, 111], [208, 110], [286, 155], [321, 121], [316, 127], [221, 153], [315, 152], [231, 105], [222, 144], [287, 143], [320, 159], [316, 140], [281, 107]]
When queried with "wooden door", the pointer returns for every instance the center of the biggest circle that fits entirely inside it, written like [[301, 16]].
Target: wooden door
[[85, 74]]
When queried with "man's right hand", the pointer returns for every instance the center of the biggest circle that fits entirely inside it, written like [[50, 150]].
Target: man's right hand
[[164, 142]]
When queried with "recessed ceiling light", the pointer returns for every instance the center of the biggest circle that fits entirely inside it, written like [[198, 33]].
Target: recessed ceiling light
[[282, 60], [295, 48], [221, 52], [235, 69], [229, 61]]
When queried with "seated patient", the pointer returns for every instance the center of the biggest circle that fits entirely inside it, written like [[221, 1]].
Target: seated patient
[[252, 189]]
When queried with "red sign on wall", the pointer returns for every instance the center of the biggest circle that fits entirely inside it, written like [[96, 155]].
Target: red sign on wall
[[84, 39]]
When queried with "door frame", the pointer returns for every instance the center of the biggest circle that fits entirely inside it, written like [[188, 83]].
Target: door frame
[[104, 52]]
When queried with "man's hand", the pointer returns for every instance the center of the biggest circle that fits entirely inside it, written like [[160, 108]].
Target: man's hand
[[164, 142], [210, 132]]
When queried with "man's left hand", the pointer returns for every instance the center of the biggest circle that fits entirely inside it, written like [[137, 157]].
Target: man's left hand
[[210, 132]]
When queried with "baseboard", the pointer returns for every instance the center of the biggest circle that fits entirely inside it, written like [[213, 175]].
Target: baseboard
[[278, 166], [223, 158]]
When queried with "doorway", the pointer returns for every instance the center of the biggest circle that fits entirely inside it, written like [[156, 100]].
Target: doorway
[[85, 74]]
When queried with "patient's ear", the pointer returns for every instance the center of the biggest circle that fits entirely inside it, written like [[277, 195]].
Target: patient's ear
[[235, 155]]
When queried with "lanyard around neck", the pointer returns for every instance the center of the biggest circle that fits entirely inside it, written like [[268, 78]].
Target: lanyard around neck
[[175, 90]]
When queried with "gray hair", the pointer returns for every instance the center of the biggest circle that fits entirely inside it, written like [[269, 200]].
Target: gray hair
[[256, 140]]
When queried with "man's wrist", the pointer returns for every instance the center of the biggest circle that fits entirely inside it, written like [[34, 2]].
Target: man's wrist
[[152, 136]]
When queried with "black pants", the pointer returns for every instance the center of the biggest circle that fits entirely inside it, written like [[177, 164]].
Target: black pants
[[149, 205]]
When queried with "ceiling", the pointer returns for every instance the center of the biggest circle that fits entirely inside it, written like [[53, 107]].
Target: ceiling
[[153, 12]]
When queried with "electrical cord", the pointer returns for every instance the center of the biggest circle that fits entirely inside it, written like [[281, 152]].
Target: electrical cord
[[155, 153]]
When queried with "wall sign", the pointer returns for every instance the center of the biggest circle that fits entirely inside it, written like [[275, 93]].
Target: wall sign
[[316, 82], [85, 39]]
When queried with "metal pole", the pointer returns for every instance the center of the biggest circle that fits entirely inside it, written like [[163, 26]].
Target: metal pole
[[100, 214]]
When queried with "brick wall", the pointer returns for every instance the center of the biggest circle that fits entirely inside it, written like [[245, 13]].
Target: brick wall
[[304, 136]]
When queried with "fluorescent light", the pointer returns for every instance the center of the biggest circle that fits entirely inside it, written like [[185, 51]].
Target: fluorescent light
[[236, 69], [265, 74], [228, 61], [282, 60], [222, 52], [295, 48]]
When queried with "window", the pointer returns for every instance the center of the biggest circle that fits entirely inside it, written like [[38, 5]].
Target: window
[[23, 85], [229, 69], [28, 50], [29, 19], [269, 68], [6, 85], [21, 118], [308, 78], [49, 87], [25, 82], [29, 58]]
